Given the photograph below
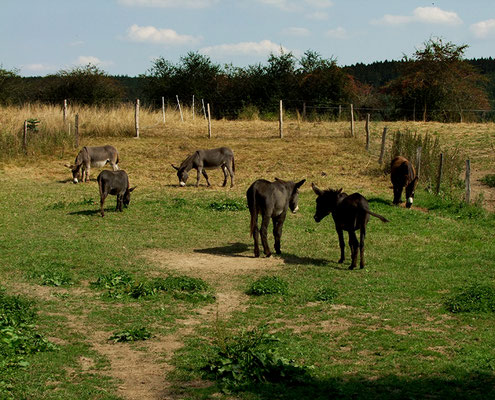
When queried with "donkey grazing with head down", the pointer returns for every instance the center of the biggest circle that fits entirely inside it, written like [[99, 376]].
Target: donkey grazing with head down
[[223, 157], [403, 174], [350, 213], [271, 200], [117, 184], [89, 157]]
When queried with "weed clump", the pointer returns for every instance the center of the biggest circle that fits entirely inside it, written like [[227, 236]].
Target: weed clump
[[488, 180], [327, 294], [251, 358], [228, 205], [52, 278], [18, 336], [120, 284], [473, 298], [268, 285], [130, 335]]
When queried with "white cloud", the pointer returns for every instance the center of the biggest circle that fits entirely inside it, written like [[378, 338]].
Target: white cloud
[[298, 32], [297, 6], [85, 60], [484, 29], [169, 3], [38, 67], [337, 33], [318, 16], [264, 47], [150, 34], [428, 15]]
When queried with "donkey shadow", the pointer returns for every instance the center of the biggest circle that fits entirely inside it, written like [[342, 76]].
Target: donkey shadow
[[231, 250]]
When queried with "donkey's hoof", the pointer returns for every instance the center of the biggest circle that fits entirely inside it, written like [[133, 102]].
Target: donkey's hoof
[[341, 261], [268, 255], [352, 267]]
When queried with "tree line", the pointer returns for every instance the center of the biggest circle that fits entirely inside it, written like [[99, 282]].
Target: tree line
[[435, 83]]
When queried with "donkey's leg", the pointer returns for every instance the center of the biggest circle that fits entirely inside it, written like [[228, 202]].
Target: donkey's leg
[[361, 245], [198, 176], [278, 223], [224, 169], [103, 196], [353, 244], [397, 194], [264, 233], [231, 173], [118, 203], [256, 237], [88, 169], [206, 177], [340, 232]]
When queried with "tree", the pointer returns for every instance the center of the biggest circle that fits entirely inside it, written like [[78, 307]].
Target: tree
[[439, 82], [86, 85], [9, 80]]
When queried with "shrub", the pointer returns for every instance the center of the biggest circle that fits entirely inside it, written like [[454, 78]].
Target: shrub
[[250, 357], [472, 298], [130, 335], [268, 285]]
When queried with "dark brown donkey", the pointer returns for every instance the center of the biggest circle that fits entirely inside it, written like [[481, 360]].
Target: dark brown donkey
[[117, 184], [403, 175], [271, 200], [350, 213]]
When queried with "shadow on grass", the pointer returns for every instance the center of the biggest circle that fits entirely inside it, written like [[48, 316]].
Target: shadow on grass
[[293, 259], [230, 250], [461, 385], [378, 200], [89, 212]]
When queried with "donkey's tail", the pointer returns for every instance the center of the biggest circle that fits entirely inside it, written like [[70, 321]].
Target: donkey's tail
[[381, 217], [233, 163], [251, 198]]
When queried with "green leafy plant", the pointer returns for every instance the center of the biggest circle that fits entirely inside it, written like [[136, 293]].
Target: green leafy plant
[[18, 336], [268, 285], [131, 335], [53, 278], [472, 298], [32, 124], [327, 294], [251, 357]]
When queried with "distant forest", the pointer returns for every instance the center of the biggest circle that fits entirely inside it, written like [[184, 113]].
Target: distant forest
[[435, 83]]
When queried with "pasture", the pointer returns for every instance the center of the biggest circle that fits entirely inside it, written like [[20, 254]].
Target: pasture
[[384, 332]]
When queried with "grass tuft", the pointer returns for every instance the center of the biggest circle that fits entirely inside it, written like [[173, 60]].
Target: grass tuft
[[327, 294], [268, 285], [473, 298], [130, 335], [488, 180]]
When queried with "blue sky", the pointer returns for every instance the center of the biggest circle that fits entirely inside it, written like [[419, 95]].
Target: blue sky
[[39, 37]]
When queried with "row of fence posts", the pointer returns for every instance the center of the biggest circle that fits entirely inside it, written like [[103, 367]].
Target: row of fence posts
[[207, 114]]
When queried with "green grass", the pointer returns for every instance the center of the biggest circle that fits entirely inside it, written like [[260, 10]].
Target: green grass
[[386, 335]]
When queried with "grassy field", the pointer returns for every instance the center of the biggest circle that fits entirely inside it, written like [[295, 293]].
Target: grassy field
[[382, 332]]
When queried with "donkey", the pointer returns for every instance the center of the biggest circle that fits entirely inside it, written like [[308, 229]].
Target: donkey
[[350, 213], [117, 184], [93, 157], [403, 174], [223, 157], [271, 200]]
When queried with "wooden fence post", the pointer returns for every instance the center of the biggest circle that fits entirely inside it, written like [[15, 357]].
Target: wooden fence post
[[193, 109], [209, 121], [76, 131], [65, 111], [136, 118], [24, 137], [340, 111], [382, 149], [419, 150], [204, 110], [180, 109], [367, 127], [163, 108], [440, 172], [281, 120], [352, 120], [468, 181]]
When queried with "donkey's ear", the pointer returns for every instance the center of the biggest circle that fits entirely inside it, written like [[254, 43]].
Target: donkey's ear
[[339, 191], [300, 183], [278, 179], [317, 190], [132, 188], [69, 166], [176, 168]]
